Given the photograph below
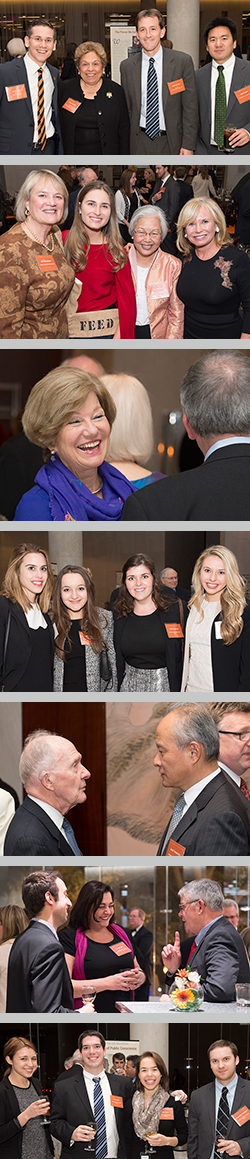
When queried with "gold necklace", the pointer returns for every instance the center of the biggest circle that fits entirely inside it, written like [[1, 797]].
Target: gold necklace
[[47, 247]]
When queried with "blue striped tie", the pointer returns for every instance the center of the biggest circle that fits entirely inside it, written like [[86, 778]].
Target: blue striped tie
[[99, 1112], [152, 112]]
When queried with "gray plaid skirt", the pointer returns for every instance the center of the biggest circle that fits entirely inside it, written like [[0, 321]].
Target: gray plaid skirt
[[145, 680]]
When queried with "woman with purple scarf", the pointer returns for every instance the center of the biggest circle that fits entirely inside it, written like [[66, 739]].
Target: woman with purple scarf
[[69, 414], [98, 952]]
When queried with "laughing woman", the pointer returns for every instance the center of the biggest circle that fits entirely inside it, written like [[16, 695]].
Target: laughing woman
[[26, 633], [84, 650], [217, 648]]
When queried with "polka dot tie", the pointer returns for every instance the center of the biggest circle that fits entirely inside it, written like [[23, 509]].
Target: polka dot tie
[[220, 108]]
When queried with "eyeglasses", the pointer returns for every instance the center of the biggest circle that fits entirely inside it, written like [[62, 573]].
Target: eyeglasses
[[183, 907], [142, 235], [239, 735]]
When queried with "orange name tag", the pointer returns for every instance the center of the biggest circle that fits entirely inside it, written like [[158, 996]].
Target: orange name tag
[[242, 1116], [71, 105], [46, 262], [174, 630], [16, 92], [243, 94], [167, 1113], [83, 639], [121, 948], [176, 86], [175, 850], [116, 1101]]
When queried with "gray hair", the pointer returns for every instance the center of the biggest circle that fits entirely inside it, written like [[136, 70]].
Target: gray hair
[[228, 901], [205, 890], [168, 568], [148, 211], [193, 722], [215, 394], [37, 754]]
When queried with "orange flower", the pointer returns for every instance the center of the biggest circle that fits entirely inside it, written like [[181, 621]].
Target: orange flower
[[185, 996]]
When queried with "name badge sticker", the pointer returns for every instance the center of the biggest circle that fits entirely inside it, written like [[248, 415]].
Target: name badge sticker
[[159, 290], [175, 850], [242, 1116], [174, 630], [46, 262], [121, 948], [176, 86], [116, 1101], [243, 94], [71, 105], [167, 1113], [15, 92], [83, 639], [217, 625]]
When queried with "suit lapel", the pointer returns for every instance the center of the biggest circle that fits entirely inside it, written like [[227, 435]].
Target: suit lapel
[[81, 1091], [34, 808], [22, 78], [237, 82], [199, 804], [137, 81]]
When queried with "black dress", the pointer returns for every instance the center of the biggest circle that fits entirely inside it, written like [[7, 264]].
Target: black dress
[[213, 291], [100, 961], [74, 675]]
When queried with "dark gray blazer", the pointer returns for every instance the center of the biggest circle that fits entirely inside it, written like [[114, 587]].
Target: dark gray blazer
[[169, 202], [218, 822], [180, 109], [220, 960], [71, 1106], [218, 489], [16, 117], [38, 978], [237, 114], [201, 1121], [32, 832]]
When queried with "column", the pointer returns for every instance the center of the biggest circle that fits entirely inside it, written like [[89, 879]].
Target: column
[[152, 1037], [65, 547], [183, 26]]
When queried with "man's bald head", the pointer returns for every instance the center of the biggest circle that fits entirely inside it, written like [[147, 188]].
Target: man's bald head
[[51, 770]]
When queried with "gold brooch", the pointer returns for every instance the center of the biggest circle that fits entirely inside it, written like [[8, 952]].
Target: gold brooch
[[109, 94]]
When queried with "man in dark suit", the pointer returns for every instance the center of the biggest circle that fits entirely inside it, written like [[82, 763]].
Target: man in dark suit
[[52, 773], [215, 396], [159, 86], [233, 722], [213, 947], [38, 978], [142, 940], [211, 814], [169, 578], [185, 190], [20, 132], [89, 1095], [166, 194], [205, 1121], [223, 91]]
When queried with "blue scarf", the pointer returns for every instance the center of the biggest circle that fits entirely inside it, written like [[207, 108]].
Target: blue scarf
[[70, 499]]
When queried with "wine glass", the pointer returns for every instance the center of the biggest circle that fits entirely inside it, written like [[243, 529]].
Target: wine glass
[[150, 1135], [89, 1146], [88, 994], [44, 1119]]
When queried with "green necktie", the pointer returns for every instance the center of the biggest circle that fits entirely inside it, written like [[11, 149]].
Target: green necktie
[[220, 108]]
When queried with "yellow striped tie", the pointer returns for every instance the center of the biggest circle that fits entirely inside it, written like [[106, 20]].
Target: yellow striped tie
[[40, 112]]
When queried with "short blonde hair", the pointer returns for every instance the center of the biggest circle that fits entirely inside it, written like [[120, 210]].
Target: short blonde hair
[[132, 434], [28, 185], [90, 46], [53, 400], [233, 599], [189, 213]]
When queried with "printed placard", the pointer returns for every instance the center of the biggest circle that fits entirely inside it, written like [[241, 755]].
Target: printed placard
[[176, 86], [83, 639], [46, 263], [116, 1101], [71, 105], [242, 95], [120, 948], [167, 1113], [15, 92], [242, 1116], [174, 630], [218, 625], [175, 850]]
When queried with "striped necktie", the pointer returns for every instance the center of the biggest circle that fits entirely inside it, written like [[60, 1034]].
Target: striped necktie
[[40, 112], [222, 1120], [69, 833], [99, 1112], [152, 111], [220, 111]]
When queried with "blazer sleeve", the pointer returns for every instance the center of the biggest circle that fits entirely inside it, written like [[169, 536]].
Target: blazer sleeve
[[9, 1127], [180, 1125], [222, 968], [190, 118], [59, 1125], [126, 86], [4, 608], [193, 1129], [244, 672], [124, 124], [14, 285], [175, 314], [47, 980]]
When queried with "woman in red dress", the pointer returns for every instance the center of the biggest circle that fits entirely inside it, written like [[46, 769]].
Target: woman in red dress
[[102, 303]]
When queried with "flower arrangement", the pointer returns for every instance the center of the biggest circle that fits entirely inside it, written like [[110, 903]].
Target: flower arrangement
[[186, 991]]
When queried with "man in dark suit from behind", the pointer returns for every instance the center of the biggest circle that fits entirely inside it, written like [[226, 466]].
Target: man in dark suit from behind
[[38, 978], [223, 91], [211, 814], [213, 948], [166, 194], [21, 129], [54, 778], [142, 940], [215, 398], [211, 1118], [88, 1094]]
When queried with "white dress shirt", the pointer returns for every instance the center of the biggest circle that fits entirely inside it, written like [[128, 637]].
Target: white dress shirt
[[195, 790], [158, 63], [228, 68], [32, 70], [53, 813]]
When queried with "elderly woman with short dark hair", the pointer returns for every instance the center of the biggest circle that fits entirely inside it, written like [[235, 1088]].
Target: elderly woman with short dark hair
[[160, 314], [93, 110], [70, 414]]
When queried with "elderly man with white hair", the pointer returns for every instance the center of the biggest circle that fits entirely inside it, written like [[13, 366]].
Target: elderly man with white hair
[[52, 773], [213, 947], [155, 275]]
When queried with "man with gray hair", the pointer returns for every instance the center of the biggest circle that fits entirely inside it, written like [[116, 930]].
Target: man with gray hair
[[52, 773], [170, 579], [85, 176], [215, 398], [213, 947], [211, 814], [231, 911]]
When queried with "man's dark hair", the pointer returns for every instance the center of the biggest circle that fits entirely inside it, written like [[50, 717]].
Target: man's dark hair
[[221, 22], [39, 22], [132, 1058], [223, 1042], [119, 1055], [93, 1034], [151, 12], [34, 888]]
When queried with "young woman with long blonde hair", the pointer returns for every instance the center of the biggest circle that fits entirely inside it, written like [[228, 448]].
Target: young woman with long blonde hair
[[217, 645]]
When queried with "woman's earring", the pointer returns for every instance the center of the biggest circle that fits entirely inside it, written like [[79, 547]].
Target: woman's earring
[[217, 229], [26, 212], [52, 454]]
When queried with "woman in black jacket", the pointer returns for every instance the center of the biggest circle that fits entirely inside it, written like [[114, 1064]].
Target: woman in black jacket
[[149, 631], [153, 1116], [217, 647], [22, 1105], [26, 632], [93, 110]]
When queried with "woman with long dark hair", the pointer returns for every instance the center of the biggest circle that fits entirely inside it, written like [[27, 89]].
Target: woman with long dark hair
[[98, 952], [84, 651], [23, 1105], [26, 633], [106, 300], [149, 630], [154, 1117]]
